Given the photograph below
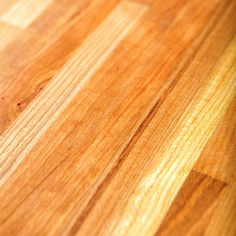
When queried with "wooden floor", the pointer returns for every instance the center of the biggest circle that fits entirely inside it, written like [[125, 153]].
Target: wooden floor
[[117, 117]]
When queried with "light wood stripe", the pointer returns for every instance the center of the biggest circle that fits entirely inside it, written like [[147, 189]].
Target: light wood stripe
[[22, 13], [24, 133], [179, 155]]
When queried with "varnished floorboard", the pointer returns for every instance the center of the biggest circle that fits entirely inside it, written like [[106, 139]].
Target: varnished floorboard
[[117, 117]]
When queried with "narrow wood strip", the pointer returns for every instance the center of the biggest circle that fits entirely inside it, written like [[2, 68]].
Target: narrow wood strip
[[33, 123], [22, 13]]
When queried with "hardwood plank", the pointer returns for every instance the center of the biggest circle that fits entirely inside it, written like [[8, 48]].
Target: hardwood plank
[[117, 118], [57, 152]]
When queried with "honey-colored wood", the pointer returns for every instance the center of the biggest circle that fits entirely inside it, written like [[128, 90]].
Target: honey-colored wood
[[117, 117], [22, 12], [42, 113], [7, 34], [218, 158], [196, 196]]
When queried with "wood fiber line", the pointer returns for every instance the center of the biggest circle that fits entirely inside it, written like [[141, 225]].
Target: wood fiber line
[[33, 123], [194, 198], [141, 211], [22, 13]]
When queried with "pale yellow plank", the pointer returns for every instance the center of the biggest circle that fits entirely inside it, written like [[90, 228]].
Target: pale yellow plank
[[22, 13], [19, 139]]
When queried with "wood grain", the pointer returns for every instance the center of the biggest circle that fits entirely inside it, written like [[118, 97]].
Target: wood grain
[[168, 168], [46, 50], [218, 158], [117, 117], [33, 123]]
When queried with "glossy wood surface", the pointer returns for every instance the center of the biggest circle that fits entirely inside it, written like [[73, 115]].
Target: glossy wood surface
[[118, 117]]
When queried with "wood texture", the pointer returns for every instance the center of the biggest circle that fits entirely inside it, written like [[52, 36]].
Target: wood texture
[[117, 117], [42, 113], [22, 12]]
